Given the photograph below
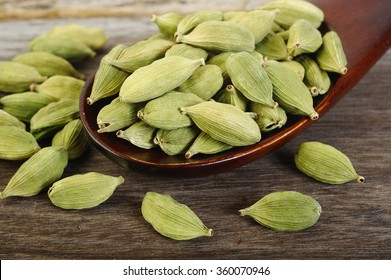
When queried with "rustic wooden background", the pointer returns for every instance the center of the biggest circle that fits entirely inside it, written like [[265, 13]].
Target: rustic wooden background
[[356, 218]]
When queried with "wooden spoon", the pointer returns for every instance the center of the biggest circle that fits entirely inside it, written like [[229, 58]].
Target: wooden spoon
[[365, 30]]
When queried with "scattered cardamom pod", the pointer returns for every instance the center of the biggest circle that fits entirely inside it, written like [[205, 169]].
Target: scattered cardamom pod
[[331, 55], [139, 134], [16, 143], [284, 211], [325, 163], [171, 218], [83, 191], [6, 119]]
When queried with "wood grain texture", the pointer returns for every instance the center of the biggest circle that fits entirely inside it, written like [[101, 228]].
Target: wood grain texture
[[356, 218]]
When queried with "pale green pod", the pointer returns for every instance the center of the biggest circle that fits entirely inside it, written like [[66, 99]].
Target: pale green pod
[[83, 191], [141, 54], [168, 22], [58, 87], [171, 218], [284, 34], [259, 22], [189, 22], [73, 138], [187, 51], [268, 118], [48, 64], [139, 134], [117, 115], [6, 119], [331, 55], [24, 105], [204, 82], [297, 67], [93, 37], [230, 95], [285, 211], [325, 163], [62, 46], [161, 36], [228, 15], [303, 38], [158, 78], [224, 122], [108, 78], [17, 77], [213, 35], [53, 117], [164, 111], [221, 61], [16, 143], [205, 144], [316, 79], [37, 173], [250, 78], [176, 141], [289, 90], [291, 11], [276, 28], [272, 47]]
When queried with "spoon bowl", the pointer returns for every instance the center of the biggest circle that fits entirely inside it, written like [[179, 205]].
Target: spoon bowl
[[365, 35]]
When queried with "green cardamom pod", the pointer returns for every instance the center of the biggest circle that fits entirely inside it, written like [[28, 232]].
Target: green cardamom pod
[[171, 218], [222, 36], [221, 61], [164, 111], [82, 191], [284, 211], [297, 67], [187, 51], [331, 55], [228, 15], [139, 134], [204, 82], [38, 172], [16, 143], [167, 23], [158, 78], [73, 138], [205, 144], [230, 95], [325, 163], [6, 119], [48, 64], [58, 87], [17, 77], [189, 22], [24, 105], [176, 141], [272, 47], [268, 118], [224, 122], [303, 38], [117, 115]]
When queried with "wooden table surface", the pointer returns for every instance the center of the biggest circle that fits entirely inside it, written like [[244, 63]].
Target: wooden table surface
[[355, 222]]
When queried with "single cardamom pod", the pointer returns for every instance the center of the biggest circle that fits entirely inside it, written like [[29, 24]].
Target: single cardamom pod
[[325, 163], [290, 91], [268, 118], [224, 122], [93, 37], [176, 141], [83, 191], [168, 22], [221, 61], [38, 172], [158, 78], [189, 22], [171, 218], [331, 55], [284, 34], [284, 211], [291, 11], [248, 75], [117, 115], [272, 47], [139, 134], [16, 143], [204, 82], [48, 64], [230, 95], [17, 77], [70, 49], [58, 87], [108, 78], [164, 111], [187, 51], [73, 138], [297, 67], [141, 54], [213, 35], [303, 38], [205, 144], [6, 119], [24, 105], [228, 15]]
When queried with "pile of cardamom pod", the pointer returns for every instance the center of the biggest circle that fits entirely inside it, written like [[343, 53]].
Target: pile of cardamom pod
[[213, 80]]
